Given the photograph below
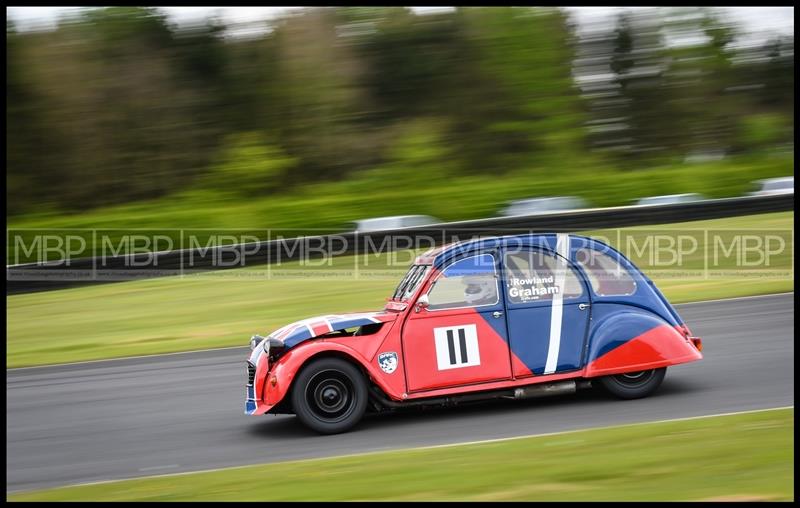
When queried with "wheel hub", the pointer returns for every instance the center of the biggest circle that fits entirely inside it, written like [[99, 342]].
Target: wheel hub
[[330, 396]]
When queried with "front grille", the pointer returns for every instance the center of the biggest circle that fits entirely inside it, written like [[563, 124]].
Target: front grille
[[251, 373]]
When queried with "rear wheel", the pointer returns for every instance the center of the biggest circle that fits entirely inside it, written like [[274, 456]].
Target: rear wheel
[[633, 385], [330, 395]]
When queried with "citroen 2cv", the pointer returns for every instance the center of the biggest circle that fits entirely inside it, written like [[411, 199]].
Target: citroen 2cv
[[505, 317]]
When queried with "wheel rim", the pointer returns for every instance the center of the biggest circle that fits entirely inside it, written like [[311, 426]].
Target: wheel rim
[[635, 379], [330, 396]]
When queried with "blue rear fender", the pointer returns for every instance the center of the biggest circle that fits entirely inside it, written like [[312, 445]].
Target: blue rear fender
[[615, 324]]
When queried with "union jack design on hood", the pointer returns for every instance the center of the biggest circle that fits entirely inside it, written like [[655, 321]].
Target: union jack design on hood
[[299, 331]]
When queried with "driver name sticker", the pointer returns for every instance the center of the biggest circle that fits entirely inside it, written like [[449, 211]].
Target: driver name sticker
[[533, 288]]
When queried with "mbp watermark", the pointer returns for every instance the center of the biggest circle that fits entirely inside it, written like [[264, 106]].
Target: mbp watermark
[[115, 255]]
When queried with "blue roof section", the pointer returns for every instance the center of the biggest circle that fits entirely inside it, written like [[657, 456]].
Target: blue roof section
[[541, 240], [647, 294]]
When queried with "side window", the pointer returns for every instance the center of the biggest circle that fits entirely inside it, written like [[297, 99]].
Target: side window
[[532, 276], [469, 282], [608, 277]]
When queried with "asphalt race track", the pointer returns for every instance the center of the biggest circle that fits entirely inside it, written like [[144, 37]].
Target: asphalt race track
[[184, 412]]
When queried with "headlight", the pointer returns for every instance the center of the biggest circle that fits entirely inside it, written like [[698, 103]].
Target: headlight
[[273, 347], [255, 340]]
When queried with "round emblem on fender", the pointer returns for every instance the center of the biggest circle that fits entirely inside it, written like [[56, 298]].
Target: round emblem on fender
[[388, 362]]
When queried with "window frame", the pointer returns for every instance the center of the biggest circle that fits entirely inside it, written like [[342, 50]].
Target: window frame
[[441, 274], [623, 265], [573, 267]]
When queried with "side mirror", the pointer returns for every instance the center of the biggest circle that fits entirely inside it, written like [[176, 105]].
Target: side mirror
[[422, 302]]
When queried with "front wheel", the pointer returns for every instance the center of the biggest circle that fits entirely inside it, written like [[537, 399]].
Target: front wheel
[[633, 385], [330, 395]]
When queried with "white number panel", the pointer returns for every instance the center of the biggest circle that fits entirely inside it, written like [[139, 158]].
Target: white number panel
[[457, 346]]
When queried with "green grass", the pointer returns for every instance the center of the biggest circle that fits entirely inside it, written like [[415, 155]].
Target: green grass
[[725, 458], [225, 308], [329, 206]]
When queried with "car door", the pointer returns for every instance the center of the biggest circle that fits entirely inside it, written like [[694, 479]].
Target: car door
[[460, 337], [547, 309]]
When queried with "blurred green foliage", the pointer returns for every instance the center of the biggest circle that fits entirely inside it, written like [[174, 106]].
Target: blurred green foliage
[[333, 114], [247, 166], [764, 130]]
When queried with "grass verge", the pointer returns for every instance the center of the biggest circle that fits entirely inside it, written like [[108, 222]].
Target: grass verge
[[219, 309], [735, 457]]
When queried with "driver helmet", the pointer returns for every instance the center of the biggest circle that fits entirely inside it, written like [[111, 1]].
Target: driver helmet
[[479, 290]]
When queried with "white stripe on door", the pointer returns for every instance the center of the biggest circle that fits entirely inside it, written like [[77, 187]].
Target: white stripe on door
[[556, 313]]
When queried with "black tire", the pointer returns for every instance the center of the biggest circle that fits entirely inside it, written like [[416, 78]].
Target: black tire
[[633, 385], [330, 395]]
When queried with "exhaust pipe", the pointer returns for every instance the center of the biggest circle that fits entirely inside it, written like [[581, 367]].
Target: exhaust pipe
[[380, 400], [546, 389]]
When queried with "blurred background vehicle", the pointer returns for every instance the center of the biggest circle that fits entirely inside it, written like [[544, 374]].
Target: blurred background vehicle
[[771, 186], [396, 222], [670, 199], [540, 205]]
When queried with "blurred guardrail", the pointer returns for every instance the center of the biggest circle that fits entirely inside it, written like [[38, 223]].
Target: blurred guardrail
[[93, 270]]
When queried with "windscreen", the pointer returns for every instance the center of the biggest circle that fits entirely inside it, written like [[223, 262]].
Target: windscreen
[[410, 282]]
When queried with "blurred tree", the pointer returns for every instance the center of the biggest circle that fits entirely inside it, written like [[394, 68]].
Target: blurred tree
[[778, 74], [25, 135], [696, 80], [764, 78], [763, 130], [517, 105], [672, 87], [123, 123], [319, 96], [626, 89], [409, 61], [116, 104]]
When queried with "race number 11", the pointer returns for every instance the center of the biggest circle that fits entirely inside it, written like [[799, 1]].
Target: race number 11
[[456, 346]]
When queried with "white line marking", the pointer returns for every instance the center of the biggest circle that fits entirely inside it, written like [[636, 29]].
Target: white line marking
[[428, 447], [557, 309], [736, 298], [121, 358]]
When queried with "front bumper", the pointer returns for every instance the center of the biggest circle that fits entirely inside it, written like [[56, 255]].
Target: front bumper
[[257, 370], [252, 406], [261, 395]]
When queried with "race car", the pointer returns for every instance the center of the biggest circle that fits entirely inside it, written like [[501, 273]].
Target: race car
[[504, 317]]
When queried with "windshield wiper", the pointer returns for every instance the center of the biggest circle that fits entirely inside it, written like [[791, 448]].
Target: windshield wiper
[[406, 282], [403, 283]]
